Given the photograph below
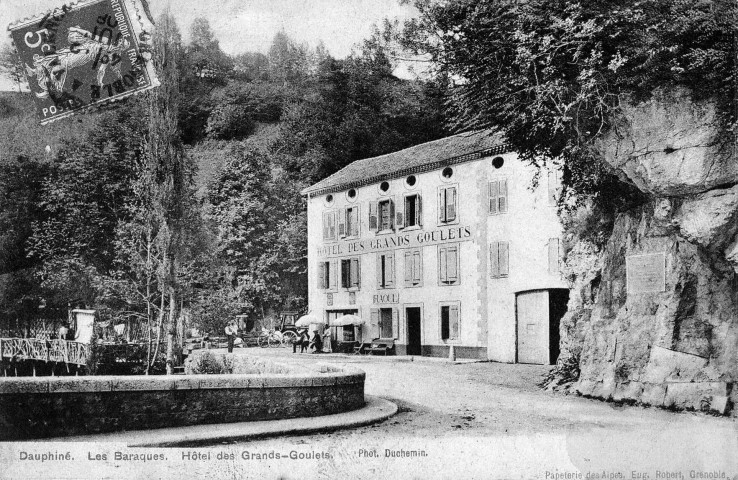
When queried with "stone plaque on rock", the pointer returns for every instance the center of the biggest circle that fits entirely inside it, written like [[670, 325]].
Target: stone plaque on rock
[[646, 273]]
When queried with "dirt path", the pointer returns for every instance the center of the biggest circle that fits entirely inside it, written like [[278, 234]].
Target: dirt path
[[491, 407]]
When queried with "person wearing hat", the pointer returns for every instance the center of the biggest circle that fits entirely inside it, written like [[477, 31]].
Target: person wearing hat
[[231, 330]]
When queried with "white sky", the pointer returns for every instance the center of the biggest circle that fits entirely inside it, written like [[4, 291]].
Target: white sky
[[250, 25]]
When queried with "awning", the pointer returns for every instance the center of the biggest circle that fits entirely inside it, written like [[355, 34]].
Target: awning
[[346, 320], [309, 319]]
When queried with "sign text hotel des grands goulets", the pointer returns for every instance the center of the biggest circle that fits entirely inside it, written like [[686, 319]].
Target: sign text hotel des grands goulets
[[412, 239]]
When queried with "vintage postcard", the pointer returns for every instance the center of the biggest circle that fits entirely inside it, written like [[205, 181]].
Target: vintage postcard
[[369, 239]]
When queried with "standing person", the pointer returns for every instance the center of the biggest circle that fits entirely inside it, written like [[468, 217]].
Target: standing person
[[231, 330], [63, 332]]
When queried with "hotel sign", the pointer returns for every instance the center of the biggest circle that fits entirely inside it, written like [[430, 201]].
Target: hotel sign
[[386, 297], [645, 273], [415, 239]]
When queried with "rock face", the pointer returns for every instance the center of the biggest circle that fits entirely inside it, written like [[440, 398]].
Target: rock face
[[675, 345], [669, 146]]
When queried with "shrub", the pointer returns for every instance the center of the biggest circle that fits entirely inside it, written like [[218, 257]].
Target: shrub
[[206, 362], [228, 122]]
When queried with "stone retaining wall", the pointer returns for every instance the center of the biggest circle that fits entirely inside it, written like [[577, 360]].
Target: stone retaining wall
[[58, 406]]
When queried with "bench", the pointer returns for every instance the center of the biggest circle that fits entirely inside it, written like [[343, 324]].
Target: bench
[[382, 345], [360, 348]]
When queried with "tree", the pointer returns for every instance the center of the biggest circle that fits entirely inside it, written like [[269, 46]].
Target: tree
[[241, 207], [288, 61], [552, 74], [204, 54], [83, 199], [169, 168], [12, 67]]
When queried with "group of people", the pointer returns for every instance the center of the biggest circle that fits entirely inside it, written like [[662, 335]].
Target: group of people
[[303, 340], [306, 343]]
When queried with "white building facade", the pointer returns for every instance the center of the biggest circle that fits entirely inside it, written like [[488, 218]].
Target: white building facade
[[441, 244]]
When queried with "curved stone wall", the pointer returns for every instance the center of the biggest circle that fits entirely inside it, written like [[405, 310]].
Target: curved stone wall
[[58, 406]]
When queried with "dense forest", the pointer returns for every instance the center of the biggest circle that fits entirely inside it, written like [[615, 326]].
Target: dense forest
[[84, 219]]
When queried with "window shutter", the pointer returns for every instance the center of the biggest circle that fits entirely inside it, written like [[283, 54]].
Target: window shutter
[[355, 221], [553, 255], [391, 215], [332, 224], [453, 320], [355, 276], [503, 196], [451, 204], [418, 211], [389, 269], [417, 268], [380, 275], [395, 323], [321, 275], [326, 227], [408, 267], [400, 215], [373, 217], [374, 323], [504, 258], [333, 277], [442, 205], [493, 194], [494, 259], [444, 322], [442, 254], [452, 268], [342, 213]]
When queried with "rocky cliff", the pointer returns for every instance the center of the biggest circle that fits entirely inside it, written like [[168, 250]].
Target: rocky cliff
[[664, 331]]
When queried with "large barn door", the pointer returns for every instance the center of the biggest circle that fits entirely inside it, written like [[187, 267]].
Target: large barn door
[[533, 326]]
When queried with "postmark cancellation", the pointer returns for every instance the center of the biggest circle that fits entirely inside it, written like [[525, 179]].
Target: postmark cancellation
[[84, 55]]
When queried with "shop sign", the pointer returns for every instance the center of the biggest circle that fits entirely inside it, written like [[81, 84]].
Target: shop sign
[[386, 298]]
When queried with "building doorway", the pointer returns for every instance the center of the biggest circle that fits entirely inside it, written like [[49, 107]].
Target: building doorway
[[412, 315], [343, 335], [539, 315]]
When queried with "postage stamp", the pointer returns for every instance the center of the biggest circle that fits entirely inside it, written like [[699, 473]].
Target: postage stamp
[[84, 55]]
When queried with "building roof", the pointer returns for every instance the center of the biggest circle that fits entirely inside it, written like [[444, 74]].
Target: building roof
[[425, 157]]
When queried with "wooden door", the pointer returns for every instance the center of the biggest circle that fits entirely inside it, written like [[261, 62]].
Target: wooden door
[[412, 315], [533, 326]]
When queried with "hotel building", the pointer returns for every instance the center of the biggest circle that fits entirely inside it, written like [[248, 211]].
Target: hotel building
[[445, 243]]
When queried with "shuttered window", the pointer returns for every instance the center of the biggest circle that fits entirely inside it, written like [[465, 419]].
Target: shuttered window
[[324, 275], [499, 259], [413, 213], [447, 204], [384, 322], [413, 268], [350, 275], [385, 215], [373, 216], [554, 256], [348, 225], [448, 264], [450, 322], [329, 225], [498, 201], [386, 270]]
